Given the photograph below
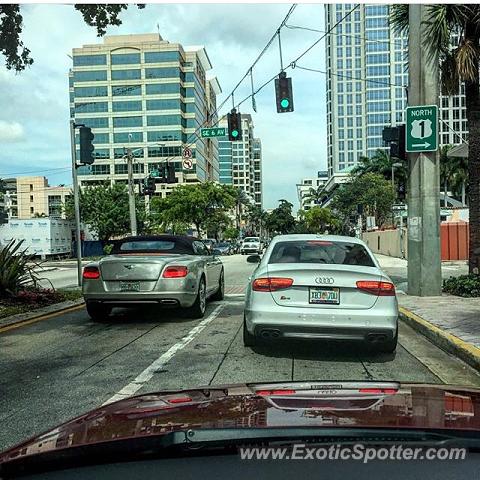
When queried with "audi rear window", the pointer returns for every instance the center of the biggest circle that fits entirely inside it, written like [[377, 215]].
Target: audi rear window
[[322, 252]]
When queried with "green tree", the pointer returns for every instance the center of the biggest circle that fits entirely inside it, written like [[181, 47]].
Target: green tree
[[193, 204], [381, 162], [217, 223], [281, 219], [104, 208], [453, 33], [321, 220], [446, 170], [17, 55], [372, 191], [231, 233]]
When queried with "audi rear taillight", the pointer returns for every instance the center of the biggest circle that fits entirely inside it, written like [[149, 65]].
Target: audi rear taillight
[[267, 393], [376, 391], [91, 273], [381, 289], [175, 272], [271, 284]]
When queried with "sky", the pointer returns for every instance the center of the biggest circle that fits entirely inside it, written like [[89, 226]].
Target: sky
[[34, 109]]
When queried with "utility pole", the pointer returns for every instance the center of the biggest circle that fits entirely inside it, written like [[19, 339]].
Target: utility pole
[[131, 192], [424, 261], [76, 201]]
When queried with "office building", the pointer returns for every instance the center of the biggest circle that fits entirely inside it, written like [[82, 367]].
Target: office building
[[241, 161], [147, 94], [367, 76]]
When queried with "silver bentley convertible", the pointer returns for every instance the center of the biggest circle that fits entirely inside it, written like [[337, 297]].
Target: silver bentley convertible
[[173, 270]]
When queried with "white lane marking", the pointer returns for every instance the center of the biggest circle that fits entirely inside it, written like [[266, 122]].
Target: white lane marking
[[147, 374]]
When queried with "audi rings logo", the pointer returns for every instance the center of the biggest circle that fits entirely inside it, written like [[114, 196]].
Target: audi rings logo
[[324, 280]]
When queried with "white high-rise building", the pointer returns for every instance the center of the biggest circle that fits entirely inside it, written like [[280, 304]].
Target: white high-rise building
[[367, 76]]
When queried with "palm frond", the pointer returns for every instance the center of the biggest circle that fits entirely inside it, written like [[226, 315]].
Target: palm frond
[[438, 28], [449, 74], [467, 56], [399, 18]]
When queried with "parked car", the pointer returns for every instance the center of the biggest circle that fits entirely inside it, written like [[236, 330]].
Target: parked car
[[210, 243], [251, 245], [224, 248], [173, 270], [320, 286]]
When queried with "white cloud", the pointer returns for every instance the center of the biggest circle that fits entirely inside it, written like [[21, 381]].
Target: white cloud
[[11, 132]]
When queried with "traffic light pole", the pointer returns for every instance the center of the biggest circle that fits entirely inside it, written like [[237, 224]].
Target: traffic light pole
[[131, 193], [76, 201], [424, 261]]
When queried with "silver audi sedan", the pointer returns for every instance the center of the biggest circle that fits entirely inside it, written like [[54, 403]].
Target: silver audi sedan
[[320, 287], [168, 270]]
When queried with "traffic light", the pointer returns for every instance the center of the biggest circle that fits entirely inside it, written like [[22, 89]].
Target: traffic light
[[395, 137], [149, 186], [401, 192], [86, 145], [171, 173], [234, 121], [283, 93]]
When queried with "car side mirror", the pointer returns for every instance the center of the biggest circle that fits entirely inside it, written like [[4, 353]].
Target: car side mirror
[[254, 259]]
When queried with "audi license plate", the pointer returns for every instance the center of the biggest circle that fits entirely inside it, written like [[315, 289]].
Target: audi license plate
[[129, 286], [324, 295]]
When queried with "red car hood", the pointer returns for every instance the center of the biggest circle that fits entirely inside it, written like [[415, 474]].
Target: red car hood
[[306, 404]]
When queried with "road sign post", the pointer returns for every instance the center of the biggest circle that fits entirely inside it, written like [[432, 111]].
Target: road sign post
[[421, 132]]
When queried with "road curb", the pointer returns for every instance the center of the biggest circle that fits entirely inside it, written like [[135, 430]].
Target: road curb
[[19, 319], [446, 341]]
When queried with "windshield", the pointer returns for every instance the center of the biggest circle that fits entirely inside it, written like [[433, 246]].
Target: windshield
[[230, 195]]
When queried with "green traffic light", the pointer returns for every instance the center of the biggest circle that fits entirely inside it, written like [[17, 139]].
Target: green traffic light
[[285, 102], [235, 133]]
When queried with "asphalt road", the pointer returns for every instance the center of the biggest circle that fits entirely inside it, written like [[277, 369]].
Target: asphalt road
[[57, 368]]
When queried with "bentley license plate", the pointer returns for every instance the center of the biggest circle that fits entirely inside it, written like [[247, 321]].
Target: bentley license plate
[[323, 295], [129, 286]]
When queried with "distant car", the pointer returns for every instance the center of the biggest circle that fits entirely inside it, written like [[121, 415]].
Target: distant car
[[170, 270], [210, 243], [251, 245], [320, 287], [224, 248]]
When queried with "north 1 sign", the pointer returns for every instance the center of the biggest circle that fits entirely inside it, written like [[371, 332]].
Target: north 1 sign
[[421, 129]]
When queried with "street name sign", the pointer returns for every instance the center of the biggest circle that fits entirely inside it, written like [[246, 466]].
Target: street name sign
[[421, 132], [213, 132]]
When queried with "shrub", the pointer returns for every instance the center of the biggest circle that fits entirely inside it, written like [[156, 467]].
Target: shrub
[[16, 269], [463, 286]]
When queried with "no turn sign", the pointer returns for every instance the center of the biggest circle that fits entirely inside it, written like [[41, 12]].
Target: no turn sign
[[187, 153], [187, 164]]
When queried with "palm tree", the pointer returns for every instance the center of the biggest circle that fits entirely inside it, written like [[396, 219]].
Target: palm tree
[[460, 177], [314, 195], [459, 62], [446, 170]]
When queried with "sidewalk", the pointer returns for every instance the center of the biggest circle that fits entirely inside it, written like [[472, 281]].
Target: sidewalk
[[450, 322]]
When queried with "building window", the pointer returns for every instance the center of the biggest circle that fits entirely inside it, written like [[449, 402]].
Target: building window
[[31, 210], [126, 74], [163, 104], [162, 88], [166, 136], [157, 120], [121, 122], [31, 198], [125, 58], [90, 76], [128, 137], [88, 60], [127, 90], [91, 107], [120, 152], [90, 91], [95, 122], [158, 57], [122, 168], [127, 106], [167, 72]]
